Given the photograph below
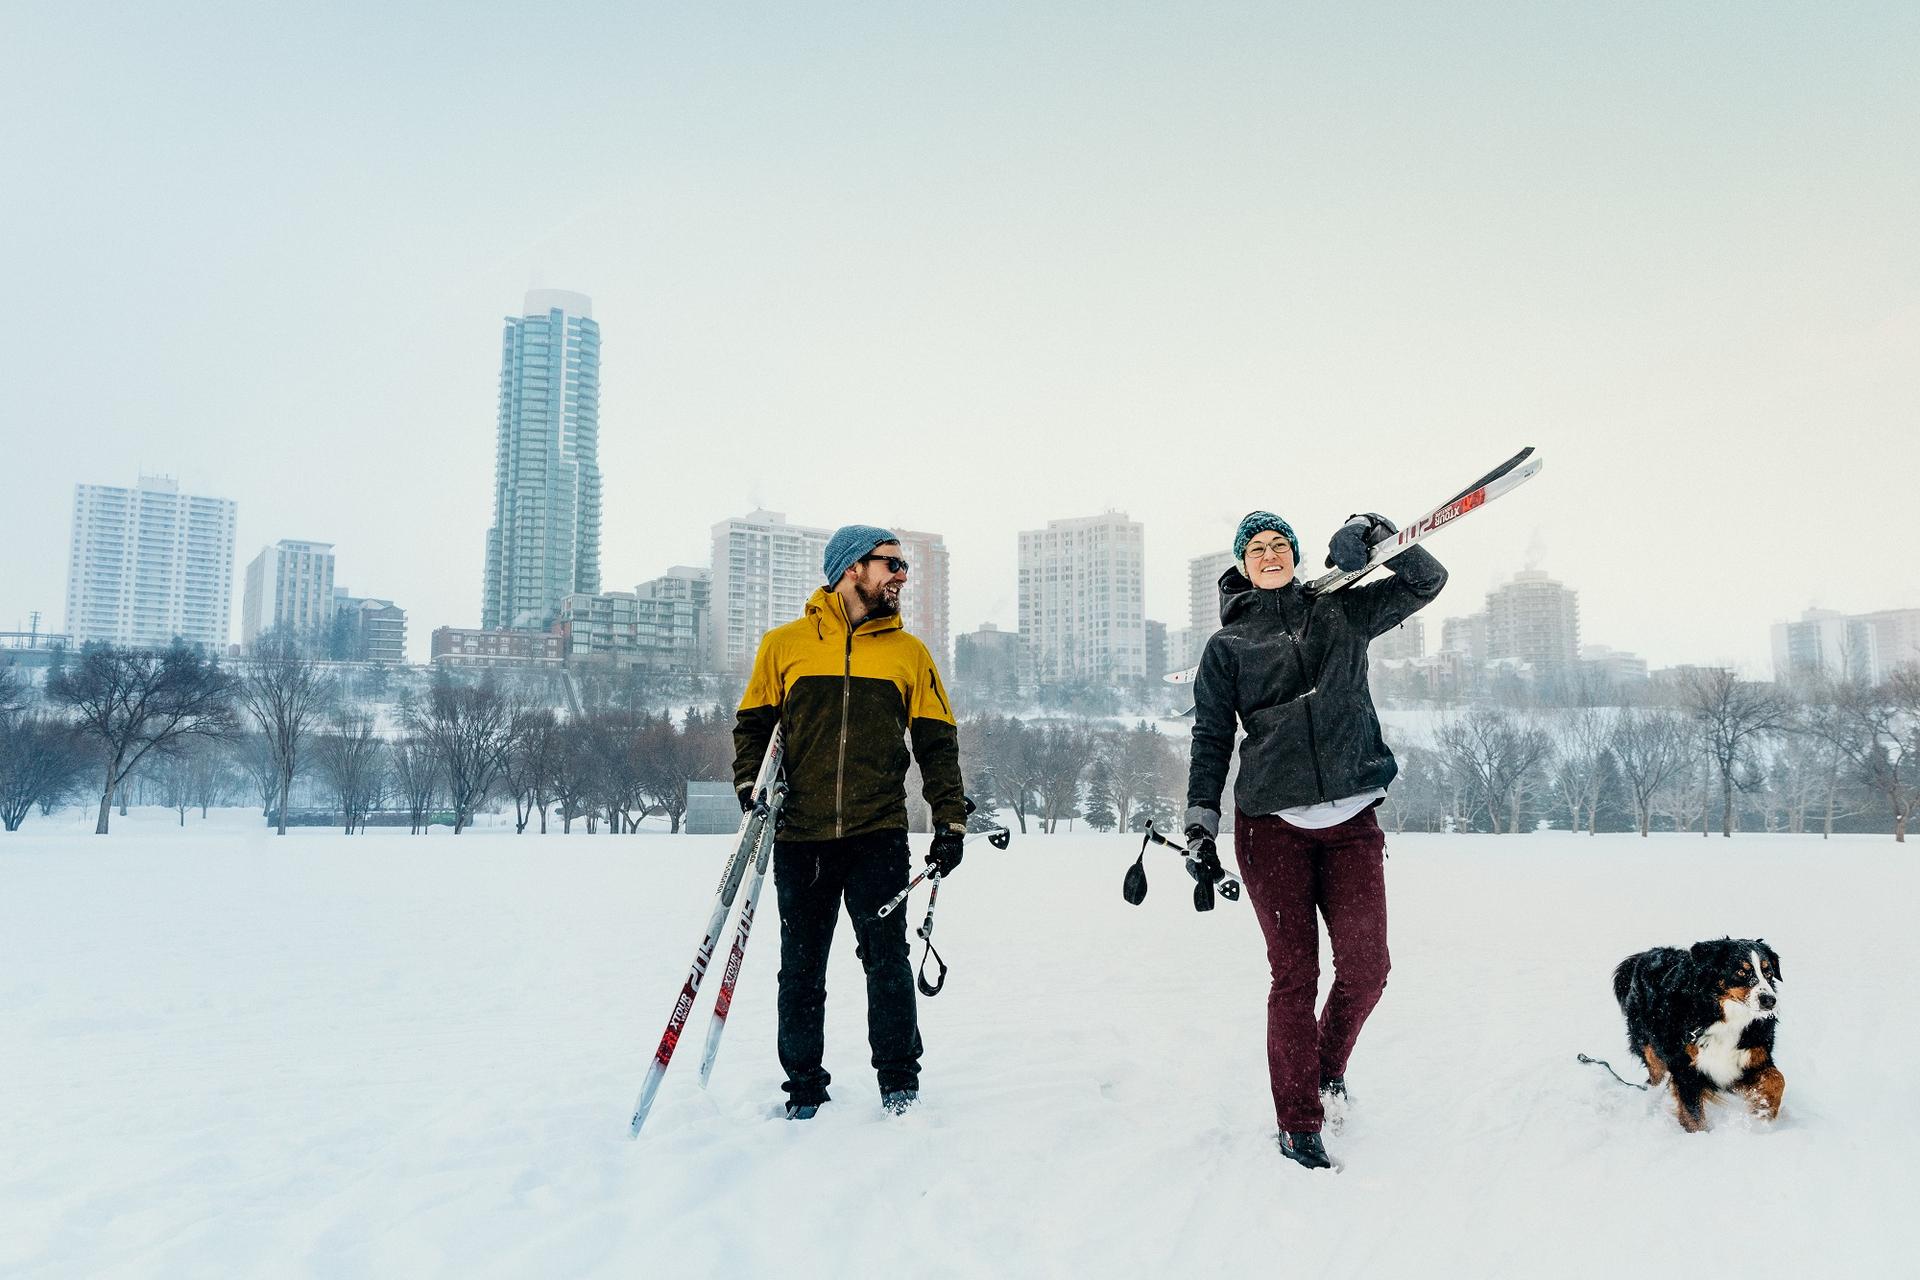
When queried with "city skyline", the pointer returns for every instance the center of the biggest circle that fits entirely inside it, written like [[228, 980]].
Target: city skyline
[[983, 268], [795, 581]]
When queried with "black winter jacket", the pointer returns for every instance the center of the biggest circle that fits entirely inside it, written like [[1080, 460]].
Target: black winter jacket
[[1291, 668]]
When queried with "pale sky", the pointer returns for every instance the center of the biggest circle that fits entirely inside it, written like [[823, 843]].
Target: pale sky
[[968, 268]]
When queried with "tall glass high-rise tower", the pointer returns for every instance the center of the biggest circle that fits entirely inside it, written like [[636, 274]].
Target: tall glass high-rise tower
[[545, 540]]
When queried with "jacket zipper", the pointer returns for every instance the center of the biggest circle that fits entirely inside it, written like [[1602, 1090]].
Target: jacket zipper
[[840, 770], [1313, 741]]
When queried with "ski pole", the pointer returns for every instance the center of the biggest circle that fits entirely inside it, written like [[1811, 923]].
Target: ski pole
[[998, 838], [1134, 887]]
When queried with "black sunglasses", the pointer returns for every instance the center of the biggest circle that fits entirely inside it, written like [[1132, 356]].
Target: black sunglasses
[[894, 563]]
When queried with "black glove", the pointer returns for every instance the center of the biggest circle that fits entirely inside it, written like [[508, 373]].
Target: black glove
[[1354, 541], [944, 854], [1203, 860], [746, 799]]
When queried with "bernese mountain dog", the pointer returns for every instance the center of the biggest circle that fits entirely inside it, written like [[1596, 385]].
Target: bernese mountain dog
[[1702, 1019]]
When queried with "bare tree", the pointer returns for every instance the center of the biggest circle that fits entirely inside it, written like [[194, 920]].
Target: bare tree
[[1136, 761], [1061, 754], [572, 777], [1499, 757], [1419, 792], [416, 772], [253, 754], [1832, 737], [667, 756], [41, 762], [1581, 762], [523, 772], [999, 751], [286, 696], [210, 777], [133, 702], [613, 736], [170, 774], [1650, 746], [1683, 798], [13, 694], [1884, 742], [1733, 715], [467, 726], [352, 759]]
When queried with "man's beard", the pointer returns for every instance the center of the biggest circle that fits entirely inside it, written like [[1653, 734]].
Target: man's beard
[[875, 601]]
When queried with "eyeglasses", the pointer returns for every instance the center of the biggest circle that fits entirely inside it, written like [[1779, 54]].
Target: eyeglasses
[[894, 563], [1273, 548]]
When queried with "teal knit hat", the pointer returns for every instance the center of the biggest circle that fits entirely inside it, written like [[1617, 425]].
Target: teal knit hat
[[849, 543], [1262, 522]]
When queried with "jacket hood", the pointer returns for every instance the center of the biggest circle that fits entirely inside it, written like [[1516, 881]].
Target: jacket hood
[[1238, 596], [829, 613]]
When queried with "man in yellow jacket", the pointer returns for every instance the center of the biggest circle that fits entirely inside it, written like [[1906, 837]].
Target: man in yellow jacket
[[848, 687]]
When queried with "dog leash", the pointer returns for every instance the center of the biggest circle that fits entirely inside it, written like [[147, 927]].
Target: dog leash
[[1602, 1062]]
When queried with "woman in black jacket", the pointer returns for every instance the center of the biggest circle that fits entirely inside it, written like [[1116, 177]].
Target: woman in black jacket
[[1290, 668]]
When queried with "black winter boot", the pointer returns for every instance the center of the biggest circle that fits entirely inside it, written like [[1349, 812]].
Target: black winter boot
[[1305, 1149], [897, 1101]]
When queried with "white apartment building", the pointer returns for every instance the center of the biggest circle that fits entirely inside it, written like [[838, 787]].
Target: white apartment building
[[1535, 620], [1203, 594], [1408, 640], [674, 622], [1896, 640], [148, 565], [1082, 599], [923, 603], [1825, 643], [1181, 652], [289, 588], [763, 571]]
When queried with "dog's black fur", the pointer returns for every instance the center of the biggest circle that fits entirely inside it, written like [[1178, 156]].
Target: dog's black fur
[[1703, 1019]]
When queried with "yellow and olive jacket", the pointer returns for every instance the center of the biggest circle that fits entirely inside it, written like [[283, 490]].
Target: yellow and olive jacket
[[846, 702]]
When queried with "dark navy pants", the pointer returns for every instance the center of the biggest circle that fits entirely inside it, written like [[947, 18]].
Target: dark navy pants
[[811, 879], [1292, 875]]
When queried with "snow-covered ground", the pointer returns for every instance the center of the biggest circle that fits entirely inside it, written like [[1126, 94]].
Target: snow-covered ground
[[226, 1054]]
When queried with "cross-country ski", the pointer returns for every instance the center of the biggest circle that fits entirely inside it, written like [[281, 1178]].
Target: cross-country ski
[[1505, 478]]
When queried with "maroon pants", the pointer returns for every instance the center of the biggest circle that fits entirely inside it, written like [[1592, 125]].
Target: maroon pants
[[1289, 873]]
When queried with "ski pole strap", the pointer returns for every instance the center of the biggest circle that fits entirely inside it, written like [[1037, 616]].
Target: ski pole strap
[[1600, 1062], [925, 934]]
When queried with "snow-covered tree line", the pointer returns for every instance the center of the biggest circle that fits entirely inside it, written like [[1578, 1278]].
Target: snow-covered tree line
[[173, 728], [1717, 753], [311, 742]]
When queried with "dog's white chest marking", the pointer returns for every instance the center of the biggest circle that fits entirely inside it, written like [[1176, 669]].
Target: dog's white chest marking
[[1720, 1058]]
